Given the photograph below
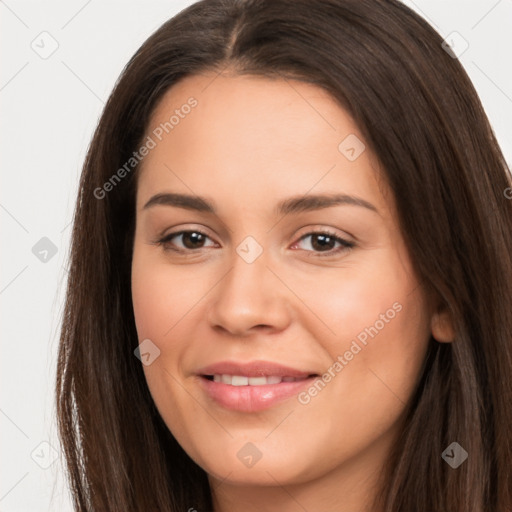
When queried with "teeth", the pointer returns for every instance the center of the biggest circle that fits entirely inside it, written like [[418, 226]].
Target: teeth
[[236, 380], [242, 380], [256, 381]]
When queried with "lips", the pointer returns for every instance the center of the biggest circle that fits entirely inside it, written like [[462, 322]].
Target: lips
[[254, 369], [254, 386], [243, 380]]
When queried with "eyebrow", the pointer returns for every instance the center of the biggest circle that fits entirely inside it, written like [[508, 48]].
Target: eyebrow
[[295, 204]]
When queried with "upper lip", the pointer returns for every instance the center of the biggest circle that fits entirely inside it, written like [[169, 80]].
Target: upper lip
[[253, 369]]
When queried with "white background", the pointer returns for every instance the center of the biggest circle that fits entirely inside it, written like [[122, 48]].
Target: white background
[[49, 108]]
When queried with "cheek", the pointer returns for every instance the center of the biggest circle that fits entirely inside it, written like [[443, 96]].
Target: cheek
[[382, 332], [380, 341], [374, 323], [163, 298], [162, 295], [353, 302]]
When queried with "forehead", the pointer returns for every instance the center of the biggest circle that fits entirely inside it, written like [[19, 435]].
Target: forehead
[[257, 112], [255, 135]]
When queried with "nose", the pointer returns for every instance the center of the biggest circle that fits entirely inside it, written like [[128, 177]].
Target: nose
[[249, 298]]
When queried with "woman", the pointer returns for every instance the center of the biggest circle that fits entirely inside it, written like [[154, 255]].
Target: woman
[[290, 284]]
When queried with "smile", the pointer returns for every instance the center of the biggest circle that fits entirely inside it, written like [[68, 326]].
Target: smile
[[242, 380], [251, 394]]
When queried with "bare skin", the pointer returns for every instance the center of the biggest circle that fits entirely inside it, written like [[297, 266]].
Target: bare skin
[[249, 144]]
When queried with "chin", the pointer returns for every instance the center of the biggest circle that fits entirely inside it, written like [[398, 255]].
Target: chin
[[263, 472]]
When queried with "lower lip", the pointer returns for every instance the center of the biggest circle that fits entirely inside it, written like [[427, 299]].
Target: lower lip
[[252, 398]]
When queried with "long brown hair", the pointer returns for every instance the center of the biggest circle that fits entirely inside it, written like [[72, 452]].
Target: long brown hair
[[421, 116]]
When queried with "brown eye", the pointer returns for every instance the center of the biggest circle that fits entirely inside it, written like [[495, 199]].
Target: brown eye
[[322, 242], [190, 240], [193, 239], [325, 242]]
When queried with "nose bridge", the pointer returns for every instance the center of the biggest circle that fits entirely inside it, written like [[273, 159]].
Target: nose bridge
[[247, 282], [248, 296]]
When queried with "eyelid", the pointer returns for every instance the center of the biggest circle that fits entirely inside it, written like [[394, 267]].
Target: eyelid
[[334, 232], [179, 228]]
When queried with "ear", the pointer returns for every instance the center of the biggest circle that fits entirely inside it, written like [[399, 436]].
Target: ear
[[441, 326]]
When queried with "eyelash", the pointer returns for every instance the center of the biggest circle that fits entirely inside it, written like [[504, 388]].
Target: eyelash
[[346, 245]]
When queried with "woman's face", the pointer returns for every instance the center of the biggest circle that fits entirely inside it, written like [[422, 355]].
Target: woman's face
[[292, 266]]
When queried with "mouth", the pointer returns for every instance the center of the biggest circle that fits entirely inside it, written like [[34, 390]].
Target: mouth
[[239, 395], [245, 380], [251, 386]]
